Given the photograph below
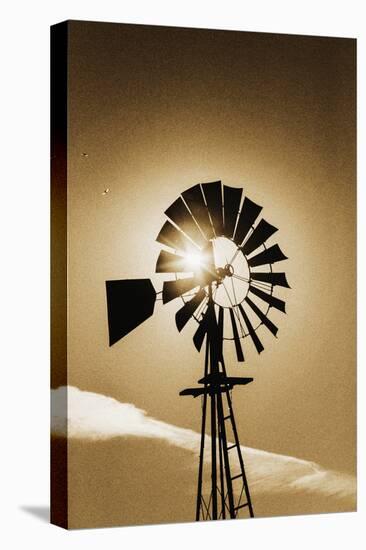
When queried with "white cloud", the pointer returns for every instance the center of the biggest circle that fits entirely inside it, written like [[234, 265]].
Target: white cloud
[[95, 416]]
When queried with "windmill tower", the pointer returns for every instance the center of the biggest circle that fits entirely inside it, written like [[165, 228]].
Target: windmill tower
[[216, 251]]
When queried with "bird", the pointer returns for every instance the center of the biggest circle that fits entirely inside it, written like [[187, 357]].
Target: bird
[[105, 191]]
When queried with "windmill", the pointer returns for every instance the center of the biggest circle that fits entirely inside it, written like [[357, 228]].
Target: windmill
[[219, 266]]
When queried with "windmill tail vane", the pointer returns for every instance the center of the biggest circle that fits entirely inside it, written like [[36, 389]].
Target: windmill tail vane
[[219, 264]]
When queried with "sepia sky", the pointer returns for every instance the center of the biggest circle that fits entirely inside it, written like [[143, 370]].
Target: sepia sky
[[158, 110]]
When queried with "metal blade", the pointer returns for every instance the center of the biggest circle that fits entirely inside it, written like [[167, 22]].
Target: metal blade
[[171, 236], [213, 196], [194, 199], [273, 279], [271, 300], [209, 257], [271, 255], [129, 303], [260, 234], [209, 323], [200, 333], [238, 348], [267, 322], [185, 313], [249, 213], [173, 289], [232, 198], [258, 344], [171, 263], [181, 216]]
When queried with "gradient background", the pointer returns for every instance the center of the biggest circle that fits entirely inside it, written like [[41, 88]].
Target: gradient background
[[158, 110]]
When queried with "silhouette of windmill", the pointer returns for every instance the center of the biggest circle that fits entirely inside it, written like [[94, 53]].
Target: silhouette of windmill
[[223, 273]]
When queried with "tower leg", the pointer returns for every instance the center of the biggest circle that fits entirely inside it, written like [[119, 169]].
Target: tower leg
[[213, 456], [222, 480], [202, 445]]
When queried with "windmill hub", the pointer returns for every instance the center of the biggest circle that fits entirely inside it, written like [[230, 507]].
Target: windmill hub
[[227, 271], [232, 271]]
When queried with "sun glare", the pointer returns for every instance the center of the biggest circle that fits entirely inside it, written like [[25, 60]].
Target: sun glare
[[193, 261]]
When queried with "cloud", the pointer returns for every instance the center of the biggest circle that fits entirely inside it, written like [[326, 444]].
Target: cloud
[[94, 416]]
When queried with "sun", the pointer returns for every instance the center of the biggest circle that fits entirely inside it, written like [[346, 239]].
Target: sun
[[193, 260]]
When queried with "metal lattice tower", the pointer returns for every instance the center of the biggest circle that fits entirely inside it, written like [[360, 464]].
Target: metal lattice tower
[[228, 492]]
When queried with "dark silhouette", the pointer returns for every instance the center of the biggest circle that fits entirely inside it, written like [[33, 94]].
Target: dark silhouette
[[228, 492], [197, 219], [130, 302]]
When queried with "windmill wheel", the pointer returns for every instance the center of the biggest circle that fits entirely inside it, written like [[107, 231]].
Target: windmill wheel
[[216, 248]]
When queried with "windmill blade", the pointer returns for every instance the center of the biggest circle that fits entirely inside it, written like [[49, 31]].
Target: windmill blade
[[271, 300], [181, 216], [249, 213], [185, 313], [271, 255], [259, 236], [271, 278], [129, 303], [208, 257], [171, 263], [203, 327], [173, 289], [258, 344], [200, 333], [267, 322], [171, 236], [232, 198], [238, 348], [213, 196], [194, 199]]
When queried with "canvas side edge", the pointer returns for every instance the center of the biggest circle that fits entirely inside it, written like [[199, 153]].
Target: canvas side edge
[[59, 463]]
